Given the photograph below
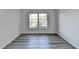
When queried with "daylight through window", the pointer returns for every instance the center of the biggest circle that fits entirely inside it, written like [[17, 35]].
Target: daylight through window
[[38, 20]]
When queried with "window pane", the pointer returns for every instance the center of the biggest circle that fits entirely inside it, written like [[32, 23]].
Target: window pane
[[43, 20], [33, 20]]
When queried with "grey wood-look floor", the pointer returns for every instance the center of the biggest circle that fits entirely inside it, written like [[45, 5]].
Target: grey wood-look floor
[[39, 42]]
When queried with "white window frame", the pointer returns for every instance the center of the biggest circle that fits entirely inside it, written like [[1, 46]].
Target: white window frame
[[40, 24]]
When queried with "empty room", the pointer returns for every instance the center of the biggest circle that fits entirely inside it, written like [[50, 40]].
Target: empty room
[[39, 28]]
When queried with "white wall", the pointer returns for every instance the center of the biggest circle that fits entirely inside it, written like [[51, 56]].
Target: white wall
[[51, 21], [69, 26], [9, 26]]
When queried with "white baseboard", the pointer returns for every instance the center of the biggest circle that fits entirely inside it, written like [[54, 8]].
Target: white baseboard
[[3, 46], [69, 40]]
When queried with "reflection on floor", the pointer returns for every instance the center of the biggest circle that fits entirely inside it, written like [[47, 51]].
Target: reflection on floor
[[39, 42]]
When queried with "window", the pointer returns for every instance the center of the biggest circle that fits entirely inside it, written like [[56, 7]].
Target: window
[[38, 20], [42, 20], [33, 20]]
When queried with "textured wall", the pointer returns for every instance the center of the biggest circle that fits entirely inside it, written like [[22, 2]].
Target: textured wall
[[9, 25], [51, 21], [69, 25]]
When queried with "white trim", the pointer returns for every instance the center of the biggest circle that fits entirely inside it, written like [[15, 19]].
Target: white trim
[[69, 40], [3, 46]]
